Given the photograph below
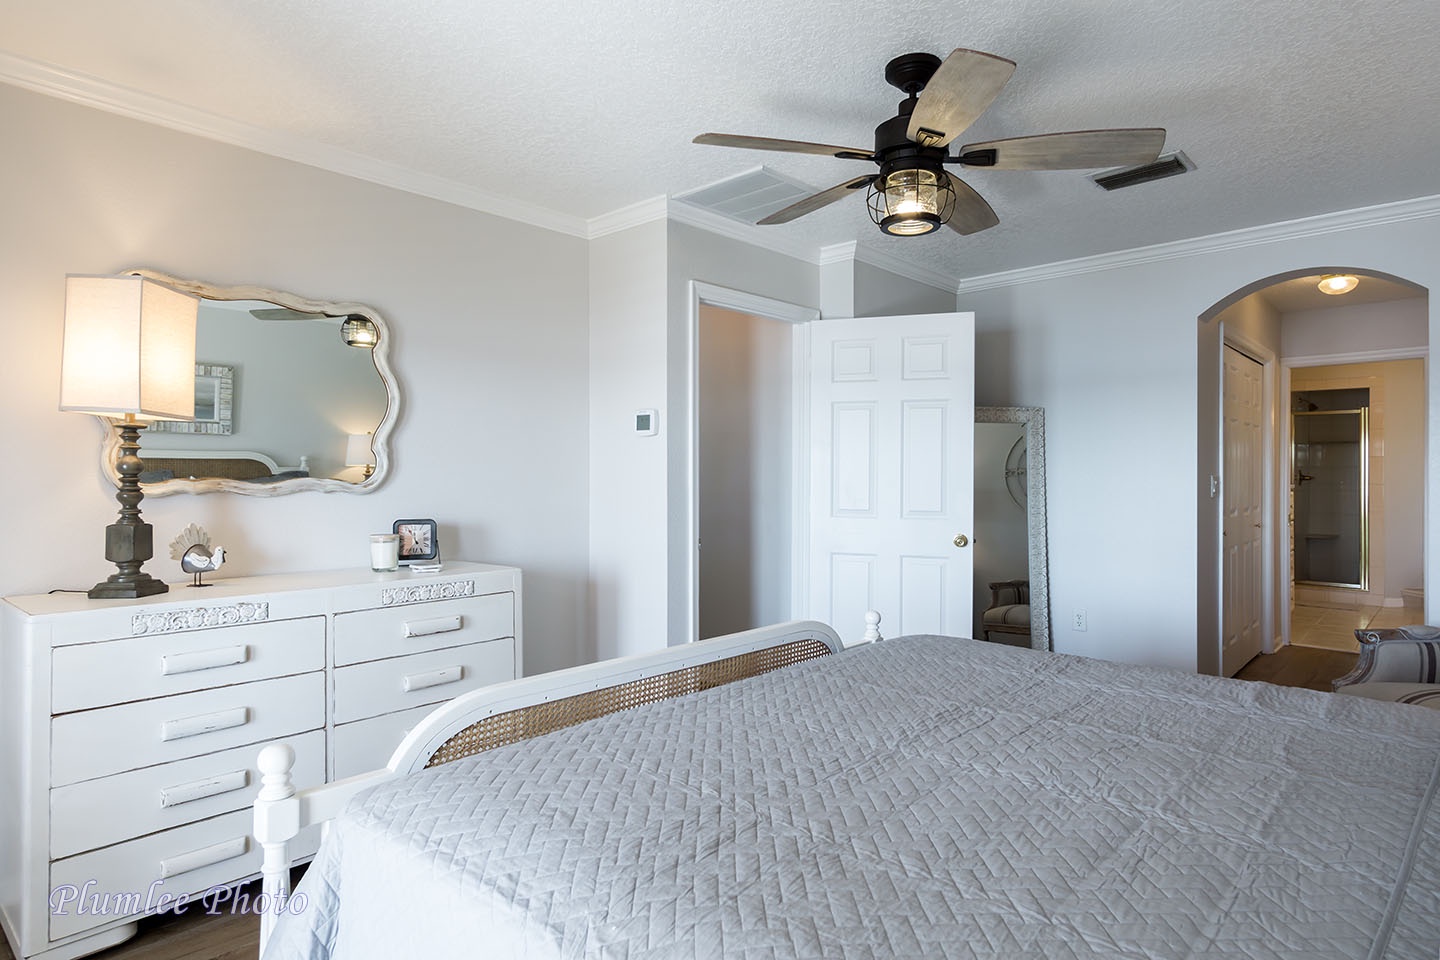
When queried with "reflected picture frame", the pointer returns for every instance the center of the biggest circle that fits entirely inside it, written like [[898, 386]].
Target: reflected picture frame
[[214, 403]]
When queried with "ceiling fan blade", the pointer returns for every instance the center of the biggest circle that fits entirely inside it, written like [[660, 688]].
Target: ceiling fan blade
[[784, 146], [972, 214], [963, 86], [1079, 150], [816, 200]]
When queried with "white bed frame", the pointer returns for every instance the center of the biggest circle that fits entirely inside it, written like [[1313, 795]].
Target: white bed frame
[[282, 811]]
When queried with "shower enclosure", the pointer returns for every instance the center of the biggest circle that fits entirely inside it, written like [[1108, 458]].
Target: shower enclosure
[[1330, 480]]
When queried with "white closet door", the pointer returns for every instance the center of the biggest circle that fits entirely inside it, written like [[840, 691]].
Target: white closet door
[[892, 408], [1243, 489]]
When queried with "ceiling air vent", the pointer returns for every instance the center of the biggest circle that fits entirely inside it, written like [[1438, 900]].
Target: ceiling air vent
[[1170, 165], [748, 197]]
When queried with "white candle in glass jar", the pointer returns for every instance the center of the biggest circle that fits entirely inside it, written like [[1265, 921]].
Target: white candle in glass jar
[[384, 552]]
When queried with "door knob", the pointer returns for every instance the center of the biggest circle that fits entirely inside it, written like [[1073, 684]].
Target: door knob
[[961, 540]]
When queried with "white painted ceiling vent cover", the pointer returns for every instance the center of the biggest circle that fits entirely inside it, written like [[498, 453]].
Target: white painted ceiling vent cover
[[1170, 165], [749, 196]]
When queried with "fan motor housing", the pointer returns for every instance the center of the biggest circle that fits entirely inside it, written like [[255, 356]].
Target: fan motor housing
[[894, 150]]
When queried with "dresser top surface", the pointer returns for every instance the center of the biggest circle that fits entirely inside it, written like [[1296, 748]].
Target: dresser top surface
[[182, 594]]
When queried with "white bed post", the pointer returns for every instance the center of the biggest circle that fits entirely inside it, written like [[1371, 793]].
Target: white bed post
[[872, 627], [277, 821]]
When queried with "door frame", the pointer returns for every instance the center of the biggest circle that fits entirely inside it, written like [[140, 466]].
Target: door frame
[[1287, 364], [1270, 496], [769, 308]]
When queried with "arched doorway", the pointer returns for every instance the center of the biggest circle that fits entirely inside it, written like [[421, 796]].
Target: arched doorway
[[1252, 341]]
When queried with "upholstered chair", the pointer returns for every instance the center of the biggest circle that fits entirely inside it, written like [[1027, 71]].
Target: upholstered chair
[[1400, 665], [1009, 610]]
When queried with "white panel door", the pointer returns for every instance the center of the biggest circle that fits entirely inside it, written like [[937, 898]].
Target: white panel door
[[1243, 489], [892, 428]]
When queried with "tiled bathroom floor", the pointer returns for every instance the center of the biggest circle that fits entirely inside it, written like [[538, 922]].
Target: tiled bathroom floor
[[1333, 627]]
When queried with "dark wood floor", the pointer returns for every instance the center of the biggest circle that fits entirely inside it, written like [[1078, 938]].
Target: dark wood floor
[[196, 935], [190, 937], [1291, 666], [237, 937]]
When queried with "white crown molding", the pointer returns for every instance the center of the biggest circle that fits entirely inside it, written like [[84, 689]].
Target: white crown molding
[[837, 253], [1420, 208], [646, 211], [1357, 356], [102, 95], [884, 260], [771, 240]]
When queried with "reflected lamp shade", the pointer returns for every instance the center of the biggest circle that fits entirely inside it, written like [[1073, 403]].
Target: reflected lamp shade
[[129, 349], [357, 450]]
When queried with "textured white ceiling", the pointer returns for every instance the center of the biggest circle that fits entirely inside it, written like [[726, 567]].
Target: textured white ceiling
[[1288, 108]]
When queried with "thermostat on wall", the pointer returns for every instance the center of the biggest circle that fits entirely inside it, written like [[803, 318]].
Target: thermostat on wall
[[647, 422]]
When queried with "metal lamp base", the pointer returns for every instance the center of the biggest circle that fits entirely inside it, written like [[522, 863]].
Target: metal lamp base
[[129, 541]]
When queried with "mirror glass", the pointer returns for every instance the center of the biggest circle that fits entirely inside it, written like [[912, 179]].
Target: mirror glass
[[283, 402], [1011, 556]]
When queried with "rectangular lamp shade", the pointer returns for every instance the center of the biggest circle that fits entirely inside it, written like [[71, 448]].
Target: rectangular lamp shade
[[129, 349], [357, 450]]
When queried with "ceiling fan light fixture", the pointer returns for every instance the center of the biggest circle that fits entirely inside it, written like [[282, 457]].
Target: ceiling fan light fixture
[[911, 202], [1337, 283]]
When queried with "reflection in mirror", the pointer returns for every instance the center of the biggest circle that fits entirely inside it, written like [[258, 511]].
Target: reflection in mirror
[[286, 382], [1012, 591]]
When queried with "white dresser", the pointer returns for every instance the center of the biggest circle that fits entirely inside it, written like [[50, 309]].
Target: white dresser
[[129, 728]]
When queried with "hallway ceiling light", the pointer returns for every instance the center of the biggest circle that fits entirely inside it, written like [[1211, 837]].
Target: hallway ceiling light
[[1338, 283]]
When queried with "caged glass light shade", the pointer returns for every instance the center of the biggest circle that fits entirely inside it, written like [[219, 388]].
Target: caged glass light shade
[[908, 203], [359, 332]]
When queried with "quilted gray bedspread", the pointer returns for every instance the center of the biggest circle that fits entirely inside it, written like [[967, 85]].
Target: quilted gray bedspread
[[924, 797]]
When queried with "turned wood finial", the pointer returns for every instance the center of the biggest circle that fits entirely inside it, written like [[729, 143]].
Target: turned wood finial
[[275, 763], [872, 626]]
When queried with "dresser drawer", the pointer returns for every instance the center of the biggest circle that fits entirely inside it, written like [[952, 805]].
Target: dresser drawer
[[394, 631], [189, 859], [172, 794], [97, 743], [365, 745], [139, 668], [384, 686]]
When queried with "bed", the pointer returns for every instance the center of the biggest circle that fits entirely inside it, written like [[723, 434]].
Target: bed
[[920, 797], [249, 466]]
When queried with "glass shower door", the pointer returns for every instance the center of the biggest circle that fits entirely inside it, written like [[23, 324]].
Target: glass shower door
[[1330, 481]]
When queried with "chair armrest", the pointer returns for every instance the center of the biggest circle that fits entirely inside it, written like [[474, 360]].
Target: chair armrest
[[1401, 655]]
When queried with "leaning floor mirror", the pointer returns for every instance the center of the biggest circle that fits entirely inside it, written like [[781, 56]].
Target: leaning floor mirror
[[1012, 590]]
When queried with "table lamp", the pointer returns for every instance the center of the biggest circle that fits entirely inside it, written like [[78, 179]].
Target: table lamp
[[129, 356], [358, 453]]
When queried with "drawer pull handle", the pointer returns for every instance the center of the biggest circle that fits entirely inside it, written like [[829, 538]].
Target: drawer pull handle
[[424, 628], [205, 723], [204, 857], [434, 678], [200, 789], [173, 663]]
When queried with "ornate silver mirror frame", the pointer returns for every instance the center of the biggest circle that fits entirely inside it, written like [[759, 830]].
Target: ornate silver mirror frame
[[379, 444], [1038, 555]]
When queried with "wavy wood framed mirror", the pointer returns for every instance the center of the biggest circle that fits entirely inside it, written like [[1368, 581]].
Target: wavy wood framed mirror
[[293, 394], [1012, 575]]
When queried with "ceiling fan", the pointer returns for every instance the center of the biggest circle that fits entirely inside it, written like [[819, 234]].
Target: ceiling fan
[[912, 193]]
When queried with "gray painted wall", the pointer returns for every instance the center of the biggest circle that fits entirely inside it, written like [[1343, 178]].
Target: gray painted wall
[[491, 349]]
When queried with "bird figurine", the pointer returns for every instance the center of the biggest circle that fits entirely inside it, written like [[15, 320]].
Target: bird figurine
[[192, 548]]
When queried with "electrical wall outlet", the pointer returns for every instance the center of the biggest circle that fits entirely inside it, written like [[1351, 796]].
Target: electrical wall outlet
[[1079, 621]]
